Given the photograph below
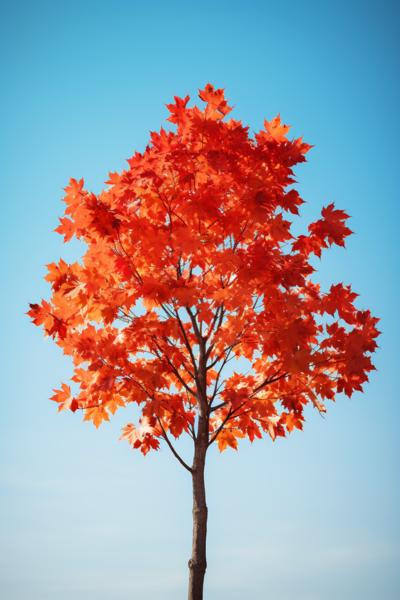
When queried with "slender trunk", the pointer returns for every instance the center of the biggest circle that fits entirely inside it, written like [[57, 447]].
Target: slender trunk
[[198, 562]]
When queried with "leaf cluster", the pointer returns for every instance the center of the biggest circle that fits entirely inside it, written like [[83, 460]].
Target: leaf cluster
[[190, 263]]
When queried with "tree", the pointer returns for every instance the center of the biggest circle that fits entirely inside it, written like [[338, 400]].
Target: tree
[[190, 264]]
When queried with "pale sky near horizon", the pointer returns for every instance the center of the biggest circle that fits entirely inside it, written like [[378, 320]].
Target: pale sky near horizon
[[311, 517]]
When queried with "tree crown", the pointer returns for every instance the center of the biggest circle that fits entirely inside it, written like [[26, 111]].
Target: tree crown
[[190, 263]]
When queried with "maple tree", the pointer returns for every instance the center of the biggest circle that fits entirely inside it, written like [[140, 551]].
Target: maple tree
[[190, 264]]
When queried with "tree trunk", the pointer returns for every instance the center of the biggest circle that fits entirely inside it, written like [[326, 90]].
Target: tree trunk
[[198, 562]]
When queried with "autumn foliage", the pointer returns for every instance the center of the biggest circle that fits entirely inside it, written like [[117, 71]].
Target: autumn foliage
[[190, 257]]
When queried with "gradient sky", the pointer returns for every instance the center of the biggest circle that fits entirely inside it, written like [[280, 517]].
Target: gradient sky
[[311, 517]]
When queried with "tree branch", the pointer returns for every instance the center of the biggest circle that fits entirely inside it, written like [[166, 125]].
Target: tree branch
[[187, 344], [194, 323], [267, 381], [174, 369], [174, 452]]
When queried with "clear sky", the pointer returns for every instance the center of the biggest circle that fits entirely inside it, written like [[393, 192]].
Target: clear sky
[[311, 517]]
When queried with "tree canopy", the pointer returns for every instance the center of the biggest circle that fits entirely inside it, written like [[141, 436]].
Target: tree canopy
[[190, 261]]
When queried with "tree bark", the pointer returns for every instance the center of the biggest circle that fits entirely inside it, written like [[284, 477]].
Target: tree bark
[[198, 561]]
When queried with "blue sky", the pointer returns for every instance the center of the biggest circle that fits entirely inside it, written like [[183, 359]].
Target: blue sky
[[311, 517]]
